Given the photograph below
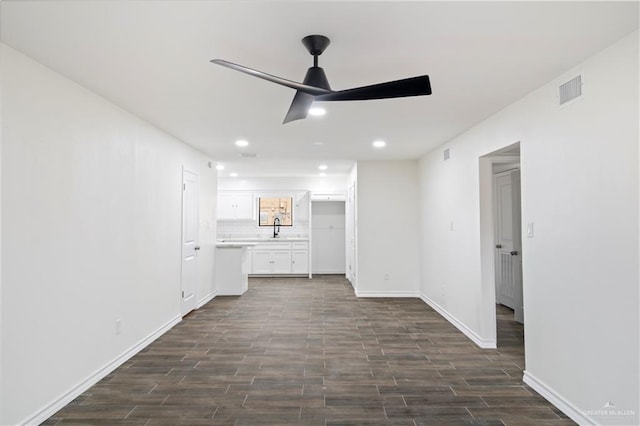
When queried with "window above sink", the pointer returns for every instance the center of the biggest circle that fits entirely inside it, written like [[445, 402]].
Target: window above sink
[[270, 208]]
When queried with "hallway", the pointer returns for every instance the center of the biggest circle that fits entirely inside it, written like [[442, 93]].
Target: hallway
[[300, 351]]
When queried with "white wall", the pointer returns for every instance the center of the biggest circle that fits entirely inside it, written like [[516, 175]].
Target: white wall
[[580, 189], [307, 183], [91, 208], [387, 219]]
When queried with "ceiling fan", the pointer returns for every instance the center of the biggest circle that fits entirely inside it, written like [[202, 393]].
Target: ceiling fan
[[315, 86]]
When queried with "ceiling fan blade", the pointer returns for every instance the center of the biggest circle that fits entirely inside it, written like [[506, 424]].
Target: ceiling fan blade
[[272, 78], [302, 101], [299, 107], [414, 86]]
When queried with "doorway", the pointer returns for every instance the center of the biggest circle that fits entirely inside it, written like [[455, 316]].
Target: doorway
[[328, 237], [501, 244]]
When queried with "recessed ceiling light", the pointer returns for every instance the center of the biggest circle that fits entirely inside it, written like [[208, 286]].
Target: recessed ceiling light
[[242, 142], [379, 144], [317, 143], [322, 174], [234, 174], [219, 166], [317, 111], [323, 167]]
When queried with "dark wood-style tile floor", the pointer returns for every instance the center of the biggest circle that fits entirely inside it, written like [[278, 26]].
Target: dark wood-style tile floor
[[296, 351]]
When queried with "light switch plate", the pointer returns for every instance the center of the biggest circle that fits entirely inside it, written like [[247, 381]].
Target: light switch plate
[[530, 230]]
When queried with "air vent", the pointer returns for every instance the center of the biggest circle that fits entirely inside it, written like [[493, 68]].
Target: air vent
[[446, 154], [570, 90], [248, 155]]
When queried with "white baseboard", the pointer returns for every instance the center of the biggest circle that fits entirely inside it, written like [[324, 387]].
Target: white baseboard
[[556, 399], [387, 294], [94, 378], [483, 343], [206, 299]]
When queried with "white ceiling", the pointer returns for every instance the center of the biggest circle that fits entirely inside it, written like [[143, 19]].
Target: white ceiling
[[152, 58]]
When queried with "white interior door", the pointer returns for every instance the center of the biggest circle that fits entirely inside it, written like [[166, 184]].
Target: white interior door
[[508, 242], [189, 240]]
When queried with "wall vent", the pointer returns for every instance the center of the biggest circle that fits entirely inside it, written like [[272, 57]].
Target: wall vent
[[570, 90], [446, 154]]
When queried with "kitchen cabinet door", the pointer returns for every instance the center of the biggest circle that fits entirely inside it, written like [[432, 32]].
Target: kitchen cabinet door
[[300, 262], [244, 206], [261, 262], [226, 206], [235, 206], [281, 262]]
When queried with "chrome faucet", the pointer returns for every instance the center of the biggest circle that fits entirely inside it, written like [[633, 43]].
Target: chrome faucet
[[276, 232]]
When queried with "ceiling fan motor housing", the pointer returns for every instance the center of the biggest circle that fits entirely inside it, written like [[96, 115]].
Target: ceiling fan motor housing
[[316, 44], [316, 77]]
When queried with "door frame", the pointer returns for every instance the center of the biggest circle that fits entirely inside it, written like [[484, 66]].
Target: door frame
[[487, 239]]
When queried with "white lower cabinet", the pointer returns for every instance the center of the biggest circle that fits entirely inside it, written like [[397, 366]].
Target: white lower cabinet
[[280, 258], [262, 261], [300, 261], [281, 262]]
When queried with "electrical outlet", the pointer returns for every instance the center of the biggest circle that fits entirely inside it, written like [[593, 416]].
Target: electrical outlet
[[118, 326]]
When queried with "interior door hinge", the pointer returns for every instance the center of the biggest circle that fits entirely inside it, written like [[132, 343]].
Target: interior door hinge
[[184, 186], [183, 294]]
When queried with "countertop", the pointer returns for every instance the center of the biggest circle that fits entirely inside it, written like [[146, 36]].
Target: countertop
[[258, 240], [235, 244]]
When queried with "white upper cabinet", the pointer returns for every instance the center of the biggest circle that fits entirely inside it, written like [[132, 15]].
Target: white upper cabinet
[[235, 206], [244, 206], [301, 211], [329, 196]]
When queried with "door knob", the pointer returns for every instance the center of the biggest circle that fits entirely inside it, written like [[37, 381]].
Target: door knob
[[514, 253]]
